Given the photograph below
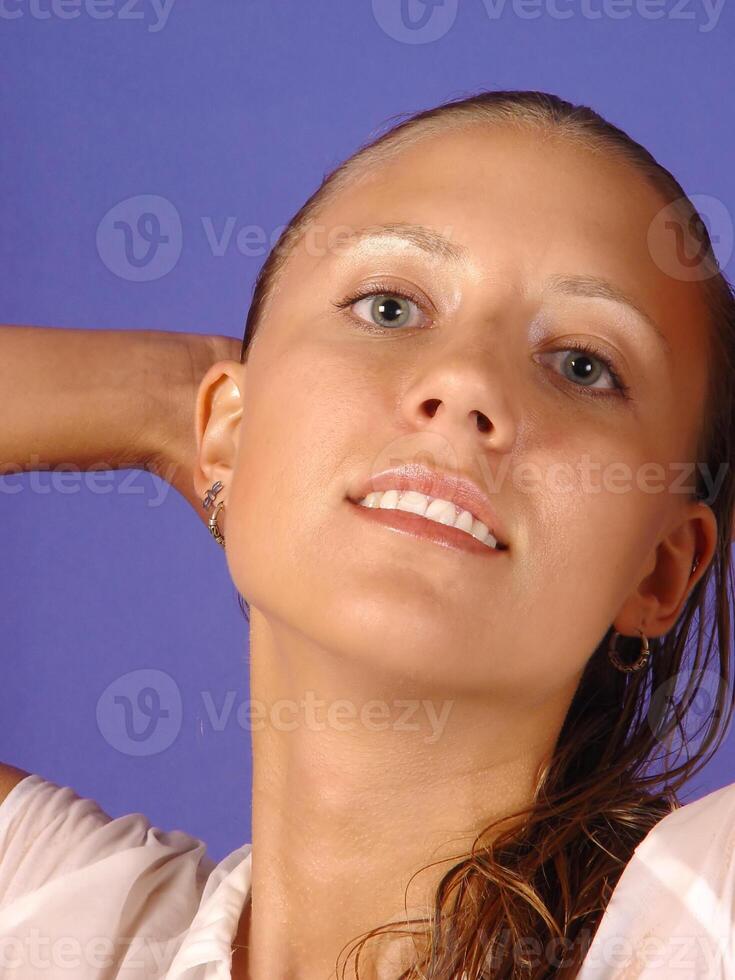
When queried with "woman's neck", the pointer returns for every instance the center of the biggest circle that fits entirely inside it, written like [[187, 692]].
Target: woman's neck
[[357, 785]]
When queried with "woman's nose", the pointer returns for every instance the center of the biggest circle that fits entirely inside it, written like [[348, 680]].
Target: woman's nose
[[432, 405], [465, 401]]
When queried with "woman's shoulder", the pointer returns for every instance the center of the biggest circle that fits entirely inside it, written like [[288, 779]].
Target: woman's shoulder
[[701, 828], [72, 874], [673, 908], [10, 776], [66, 830]]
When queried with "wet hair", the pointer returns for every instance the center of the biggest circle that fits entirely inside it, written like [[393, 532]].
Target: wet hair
[[524, 904]]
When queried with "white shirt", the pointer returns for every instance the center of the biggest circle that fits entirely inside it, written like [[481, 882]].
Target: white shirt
[[80, 891]]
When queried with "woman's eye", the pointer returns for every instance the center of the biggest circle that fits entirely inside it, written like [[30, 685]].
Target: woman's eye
[[386, 310], [585, 367]]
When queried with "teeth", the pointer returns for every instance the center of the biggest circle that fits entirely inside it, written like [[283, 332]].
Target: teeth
[[413, 502], [434, 508], [480, 530], [389, 500], [441, 511]]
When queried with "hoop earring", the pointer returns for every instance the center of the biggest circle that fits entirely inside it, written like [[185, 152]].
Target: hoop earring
[[614, 656], [207, 502]]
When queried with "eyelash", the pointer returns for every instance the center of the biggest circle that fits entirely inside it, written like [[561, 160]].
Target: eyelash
[[581, 346]]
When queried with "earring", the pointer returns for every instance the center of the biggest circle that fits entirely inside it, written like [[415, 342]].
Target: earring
[[207, 502], [615, 657]]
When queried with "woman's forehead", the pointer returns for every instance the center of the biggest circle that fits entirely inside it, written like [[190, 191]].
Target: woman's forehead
[[514, 204], [481, 181]]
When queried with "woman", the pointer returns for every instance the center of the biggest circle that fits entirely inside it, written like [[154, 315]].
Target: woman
[[505, 304]]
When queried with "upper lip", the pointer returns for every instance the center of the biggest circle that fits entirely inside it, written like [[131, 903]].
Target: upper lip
[[455, 487]]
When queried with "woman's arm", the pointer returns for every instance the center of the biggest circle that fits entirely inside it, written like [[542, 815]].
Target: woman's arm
[[9, 777], [104, 399]]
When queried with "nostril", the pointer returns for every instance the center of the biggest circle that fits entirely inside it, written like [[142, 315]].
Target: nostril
[[483, 422], [431, 406]]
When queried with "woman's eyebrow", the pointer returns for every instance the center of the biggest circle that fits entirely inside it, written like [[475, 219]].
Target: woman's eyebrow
[[598, 288], [420, 236]]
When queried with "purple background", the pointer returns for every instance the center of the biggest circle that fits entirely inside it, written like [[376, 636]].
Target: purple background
[[235, 109]]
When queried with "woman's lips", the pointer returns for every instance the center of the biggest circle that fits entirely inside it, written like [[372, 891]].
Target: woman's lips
[[453, 486], [421, 527]]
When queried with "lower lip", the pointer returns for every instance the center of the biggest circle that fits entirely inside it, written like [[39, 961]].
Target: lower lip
[[417, 526]]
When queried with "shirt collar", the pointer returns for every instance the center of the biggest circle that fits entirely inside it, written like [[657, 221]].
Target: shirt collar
[[207, 943]]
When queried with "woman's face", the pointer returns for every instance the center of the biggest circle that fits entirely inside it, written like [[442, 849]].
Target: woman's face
[[331, 396]]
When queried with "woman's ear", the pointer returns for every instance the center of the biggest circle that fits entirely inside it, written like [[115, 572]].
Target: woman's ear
[[218, 413], [661, 594]]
